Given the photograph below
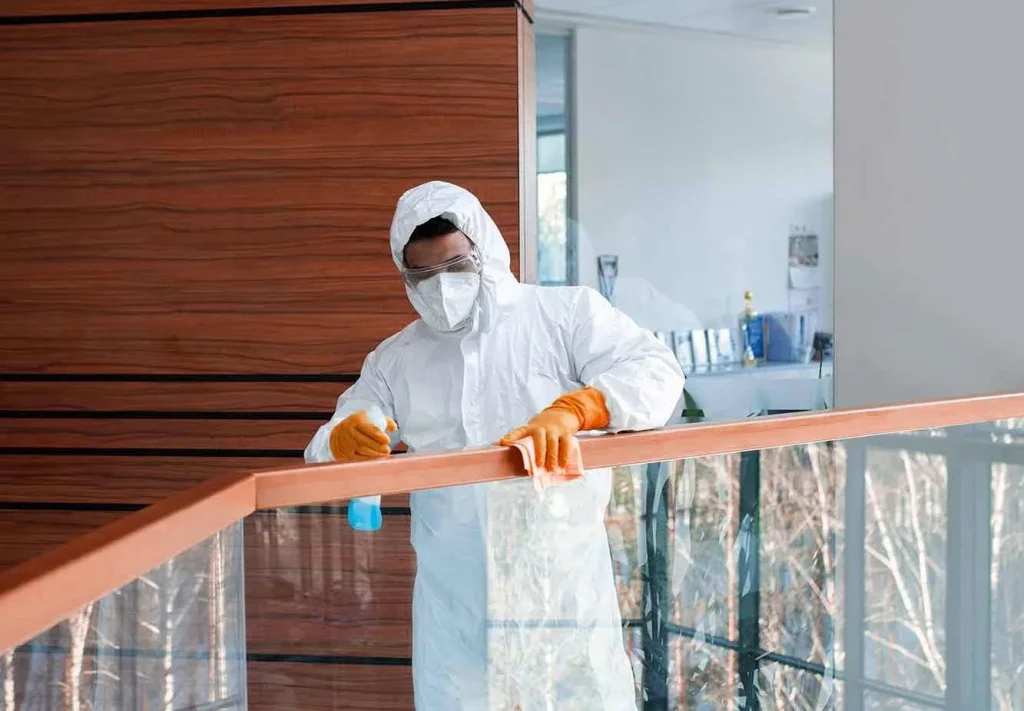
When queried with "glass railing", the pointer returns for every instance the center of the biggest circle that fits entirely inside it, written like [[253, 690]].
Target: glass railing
[[329, 609], [874, 573], [173, 638], [845, 560]]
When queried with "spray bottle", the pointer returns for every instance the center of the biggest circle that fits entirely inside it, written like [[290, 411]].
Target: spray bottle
[[364, 513]]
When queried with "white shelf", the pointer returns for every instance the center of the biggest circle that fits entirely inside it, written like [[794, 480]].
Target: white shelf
[[736, 392]]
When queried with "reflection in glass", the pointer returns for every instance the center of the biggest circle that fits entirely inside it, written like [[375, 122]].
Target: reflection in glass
[[676, 139], [552, 232], [554, 249], [801, 532], [703, 676], [172, 639], [782, 687], [878, 701], [553, 620], [704, 529]]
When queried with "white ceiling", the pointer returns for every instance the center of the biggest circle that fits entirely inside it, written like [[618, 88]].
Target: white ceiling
[[748, 18]]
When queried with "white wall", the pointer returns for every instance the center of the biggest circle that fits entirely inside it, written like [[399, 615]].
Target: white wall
[[929, 196], [695, 153]]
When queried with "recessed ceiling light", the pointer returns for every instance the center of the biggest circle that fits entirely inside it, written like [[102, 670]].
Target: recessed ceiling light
[[793, 13]]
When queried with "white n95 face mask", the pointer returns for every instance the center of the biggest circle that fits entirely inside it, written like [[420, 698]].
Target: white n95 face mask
[[446, 301]]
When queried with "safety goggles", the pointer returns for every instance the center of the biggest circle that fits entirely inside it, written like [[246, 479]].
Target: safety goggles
[[464, 264]]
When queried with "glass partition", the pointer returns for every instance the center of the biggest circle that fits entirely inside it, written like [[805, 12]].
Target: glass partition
[[172, 639], [684, 169], [329, 608], [876, 573], [872, 573]]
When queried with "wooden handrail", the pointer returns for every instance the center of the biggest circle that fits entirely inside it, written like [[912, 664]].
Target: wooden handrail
[[336, 482], [43, 591]]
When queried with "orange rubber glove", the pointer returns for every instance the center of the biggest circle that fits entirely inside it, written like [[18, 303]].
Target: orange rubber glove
[[356, 439], [567, 416]]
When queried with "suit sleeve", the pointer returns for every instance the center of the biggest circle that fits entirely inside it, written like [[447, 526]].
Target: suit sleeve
[[638, 375], [368, 391]]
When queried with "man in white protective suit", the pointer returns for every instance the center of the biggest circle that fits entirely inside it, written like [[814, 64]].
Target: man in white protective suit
[[514, 604]]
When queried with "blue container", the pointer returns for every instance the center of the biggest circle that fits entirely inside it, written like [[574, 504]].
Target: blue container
[[755, 337], [364, 514]]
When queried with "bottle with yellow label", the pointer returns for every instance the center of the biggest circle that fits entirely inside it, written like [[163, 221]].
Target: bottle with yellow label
[[751, 338]]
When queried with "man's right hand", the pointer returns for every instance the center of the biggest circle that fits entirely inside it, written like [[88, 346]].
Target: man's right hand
[[356, 439]]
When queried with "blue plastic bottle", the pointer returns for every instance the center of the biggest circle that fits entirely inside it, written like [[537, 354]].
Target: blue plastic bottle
[[364, 513]]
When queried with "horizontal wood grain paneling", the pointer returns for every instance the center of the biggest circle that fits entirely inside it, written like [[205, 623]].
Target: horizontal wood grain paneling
[[160, 434], [214, 195], [211, 196], [117, 480], [98, 342], [172, 396], [282, 440], [121, 480], [314, 586], [329, 687], [26, 534], [17, 8]]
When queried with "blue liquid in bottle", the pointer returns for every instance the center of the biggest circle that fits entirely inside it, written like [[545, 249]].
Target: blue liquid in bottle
[[364, 513]]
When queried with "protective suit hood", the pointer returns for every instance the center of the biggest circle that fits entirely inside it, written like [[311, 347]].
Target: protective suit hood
[[440, 199]]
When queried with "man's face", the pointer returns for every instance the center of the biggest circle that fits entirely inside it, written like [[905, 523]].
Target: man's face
[[431, 252]]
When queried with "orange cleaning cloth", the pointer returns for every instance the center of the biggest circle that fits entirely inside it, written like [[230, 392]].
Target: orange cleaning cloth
[[543, 477]]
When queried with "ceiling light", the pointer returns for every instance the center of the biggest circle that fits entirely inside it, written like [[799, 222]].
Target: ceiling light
[[793, 13]]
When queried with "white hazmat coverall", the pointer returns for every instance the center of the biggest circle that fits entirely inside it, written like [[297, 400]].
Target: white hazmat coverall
[[515, 605]]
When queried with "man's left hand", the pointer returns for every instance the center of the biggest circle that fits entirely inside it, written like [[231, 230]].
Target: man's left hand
[[551, 431]]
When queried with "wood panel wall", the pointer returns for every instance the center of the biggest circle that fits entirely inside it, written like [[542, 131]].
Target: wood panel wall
[[194, 211]]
